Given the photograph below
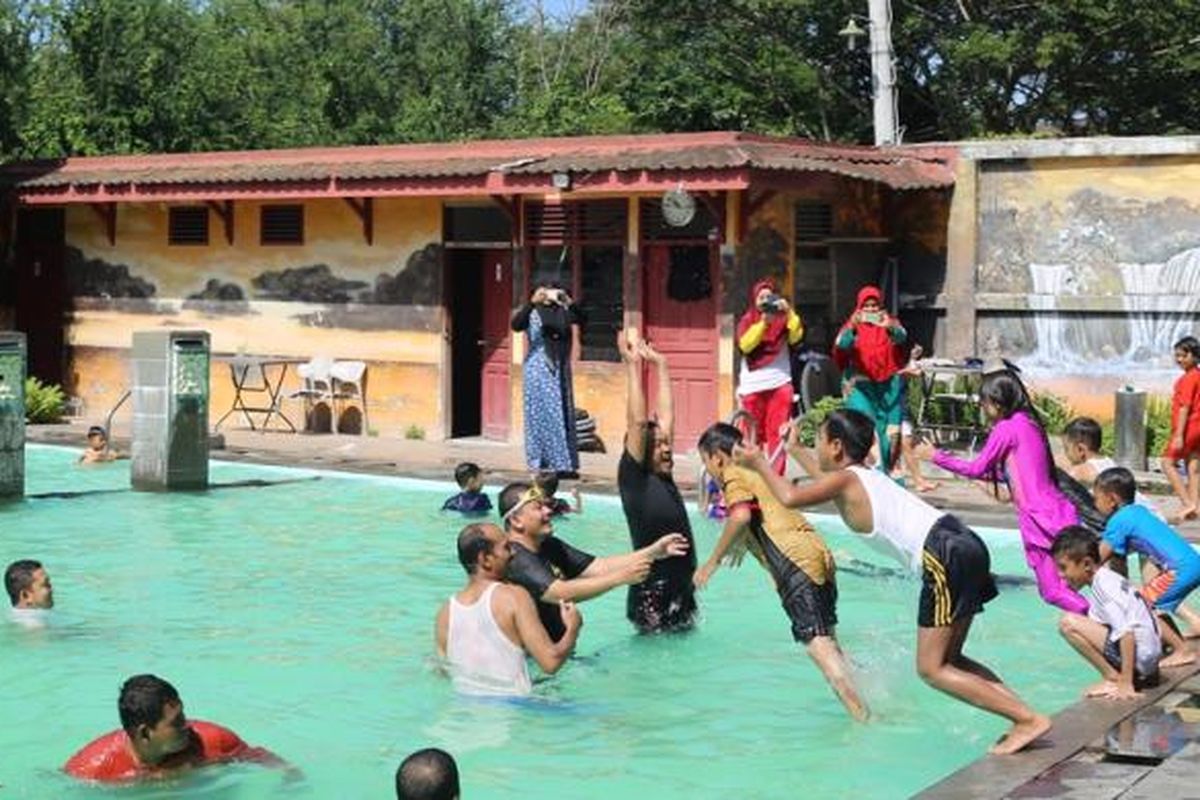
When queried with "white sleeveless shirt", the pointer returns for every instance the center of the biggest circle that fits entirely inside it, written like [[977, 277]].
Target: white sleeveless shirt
[[482, 659], [902, 520]]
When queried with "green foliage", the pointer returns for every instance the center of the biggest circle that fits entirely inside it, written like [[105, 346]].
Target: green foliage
[[812, 419], [1054, 411], [1158, 424], [44, 402], [414, 431], [124, 76]]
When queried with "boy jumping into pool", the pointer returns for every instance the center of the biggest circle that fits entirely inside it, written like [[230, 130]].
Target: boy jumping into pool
[[1118, 636], [1170, 567], [792, 552], [156, 739], [953, 562]]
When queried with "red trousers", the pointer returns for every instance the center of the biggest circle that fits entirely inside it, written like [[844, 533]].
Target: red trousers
[[770, 409]]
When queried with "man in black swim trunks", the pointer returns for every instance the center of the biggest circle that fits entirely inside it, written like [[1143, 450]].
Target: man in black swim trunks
[[665, 601], [553, 571]]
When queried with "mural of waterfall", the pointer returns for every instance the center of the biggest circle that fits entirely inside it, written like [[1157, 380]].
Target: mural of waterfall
[[1077, 326], [1163, 301]]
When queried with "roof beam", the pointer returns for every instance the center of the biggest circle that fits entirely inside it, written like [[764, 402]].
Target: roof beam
[[364, 209], [224, 210], [108, 217]]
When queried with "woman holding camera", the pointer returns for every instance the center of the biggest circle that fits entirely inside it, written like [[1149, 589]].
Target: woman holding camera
[[868, 352], [549, 399], [765, 335]]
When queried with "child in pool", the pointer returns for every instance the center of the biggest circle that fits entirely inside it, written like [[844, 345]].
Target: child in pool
[[1018, 453], [1184, 444], [791, 551], [953, 562], [98, 451], [471, 500], [712, 502], [548, 483]]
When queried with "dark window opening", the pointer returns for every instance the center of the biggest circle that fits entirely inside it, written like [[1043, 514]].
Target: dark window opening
[[187, 225], [581, 247], [815, 283], [282, 225], [482, 225]]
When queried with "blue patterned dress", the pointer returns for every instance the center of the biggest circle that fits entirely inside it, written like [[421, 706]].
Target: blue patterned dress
[[549, 399]]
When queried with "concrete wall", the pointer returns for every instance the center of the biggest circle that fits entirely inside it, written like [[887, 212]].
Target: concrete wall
[[334, 295], [1084, 259]]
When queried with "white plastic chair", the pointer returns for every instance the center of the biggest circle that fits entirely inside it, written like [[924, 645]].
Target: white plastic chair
[[318, 386], [349, 384]]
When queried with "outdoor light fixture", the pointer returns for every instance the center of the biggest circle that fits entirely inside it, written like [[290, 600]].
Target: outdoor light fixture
[[851, 33], [561, 180]]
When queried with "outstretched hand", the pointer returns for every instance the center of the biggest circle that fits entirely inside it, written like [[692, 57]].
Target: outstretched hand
[[702, 574], [748, 455], [669, 546]]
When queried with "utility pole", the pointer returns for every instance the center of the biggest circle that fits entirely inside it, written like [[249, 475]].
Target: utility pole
[[883, 73]]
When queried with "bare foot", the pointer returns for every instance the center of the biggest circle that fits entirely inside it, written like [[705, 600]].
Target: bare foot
[[1185, 513], [1183, 655], [1021, 735], [926, 486], [1101, 689]]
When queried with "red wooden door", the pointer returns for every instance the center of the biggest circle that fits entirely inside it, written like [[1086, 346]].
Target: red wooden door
[[686, 333], [496, 286]]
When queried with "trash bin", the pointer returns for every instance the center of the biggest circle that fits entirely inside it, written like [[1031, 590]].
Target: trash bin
[[1129, 426]]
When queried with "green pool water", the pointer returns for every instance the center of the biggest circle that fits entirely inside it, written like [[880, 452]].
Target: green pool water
[[301, 616]]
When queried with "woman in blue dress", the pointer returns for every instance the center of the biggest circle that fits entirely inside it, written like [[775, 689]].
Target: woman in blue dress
[[549, 399]]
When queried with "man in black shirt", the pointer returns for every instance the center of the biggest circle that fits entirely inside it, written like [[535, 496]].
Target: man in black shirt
[[665, 601], [553, 571]]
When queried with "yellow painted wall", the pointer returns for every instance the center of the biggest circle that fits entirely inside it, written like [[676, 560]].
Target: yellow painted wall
[[404, 363]]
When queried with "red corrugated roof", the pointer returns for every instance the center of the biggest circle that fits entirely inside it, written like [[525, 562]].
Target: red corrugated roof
[[493, 160]]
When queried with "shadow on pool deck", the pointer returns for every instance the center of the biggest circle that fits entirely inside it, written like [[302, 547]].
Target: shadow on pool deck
[[1099, 750], [506, 462]]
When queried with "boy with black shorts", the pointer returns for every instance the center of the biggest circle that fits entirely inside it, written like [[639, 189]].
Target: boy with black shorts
[[790, 549], [952, 561]]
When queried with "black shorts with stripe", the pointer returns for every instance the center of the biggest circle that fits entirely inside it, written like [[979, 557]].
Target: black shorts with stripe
[[956, 575]]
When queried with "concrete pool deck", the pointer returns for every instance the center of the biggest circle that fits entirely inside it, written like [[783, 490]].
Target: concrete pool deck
[[505, 463], [1148, 747]]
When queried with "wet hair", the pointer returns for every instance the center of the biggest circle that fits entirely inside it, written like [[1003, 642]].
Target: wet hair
[[19, 577], [472, 543], [546, 481], [853, 429], [509, 497], [720, 437], [464, 472], [1118, 482], [429, 774], [1085, 431], [1076, 543], [142, 700], [96, 430], [1189, 344]]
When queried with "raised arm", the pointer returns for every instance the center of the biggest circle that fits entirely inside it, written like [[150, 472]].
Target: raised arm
[[585, 587], [549, 654], [666, 403], [635, 397]]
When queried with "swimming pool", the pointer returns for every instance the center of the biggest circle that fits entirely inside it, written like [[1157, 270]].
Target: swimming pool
[[301, 616]]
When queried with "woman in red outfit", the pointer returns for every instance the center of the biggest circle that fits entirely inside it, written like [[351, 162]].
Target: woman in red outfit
[[765, 335]]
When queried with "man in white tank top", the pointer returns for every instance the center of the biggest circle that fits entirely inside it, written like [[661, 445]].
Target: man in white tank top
[[487, 629]]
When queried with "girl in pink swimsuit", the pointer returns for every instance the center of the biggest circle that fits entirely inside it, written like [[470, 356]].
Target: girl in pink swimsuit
[[1018, 453]]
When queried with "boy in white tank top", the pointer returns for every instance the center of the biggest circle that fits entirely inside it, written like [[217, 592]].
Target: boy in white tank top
[[486, 630], [952, 561]]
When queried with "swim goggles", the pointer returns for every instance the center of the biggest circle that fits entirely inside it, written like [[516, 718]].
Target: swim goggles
[[531, 495]]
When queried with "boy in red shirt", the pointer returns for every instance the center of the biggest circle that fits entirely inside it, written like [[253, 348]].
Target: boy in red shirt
[[156, 739], [1184, 444]]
